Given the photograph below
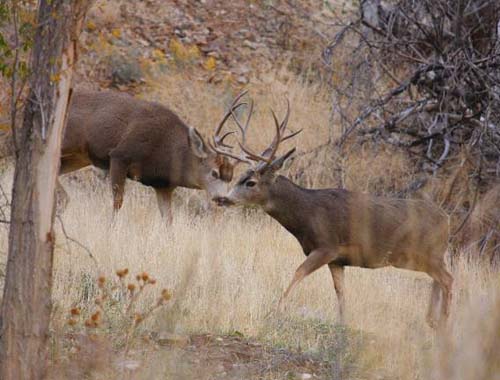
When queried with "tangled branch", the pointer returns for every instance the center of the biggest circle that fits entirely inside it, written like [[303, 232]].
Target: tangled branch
[[423, 76]]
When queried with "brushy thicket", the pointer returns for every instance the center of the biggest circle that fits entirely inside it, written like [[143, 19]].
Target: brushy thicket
[[423, 77]]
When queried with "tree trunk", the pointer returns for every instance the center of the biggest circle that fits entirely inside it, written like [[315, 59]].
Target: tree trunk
[[26, 303]]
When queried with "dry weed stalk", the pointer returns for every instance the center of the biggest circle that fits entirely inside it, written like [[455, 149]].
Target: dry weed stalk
[[116, 296]]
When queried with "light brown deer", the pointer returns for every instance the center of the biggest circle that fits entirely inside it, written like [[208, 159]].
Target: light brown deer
[[339, 228], [146, 142]]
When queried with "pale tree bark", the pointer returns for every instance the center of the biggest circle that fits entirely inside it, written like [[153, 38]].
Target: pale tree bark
[[26, 303]]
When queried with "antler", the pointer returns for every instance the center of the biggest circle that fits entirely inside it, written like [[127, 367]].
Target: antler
[[243, 129], [218, 141], [268, 155], [239, 158]]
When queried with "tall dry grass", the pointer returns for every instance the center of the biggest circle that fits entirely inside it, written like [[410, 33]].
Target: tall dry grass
[[228, 267]]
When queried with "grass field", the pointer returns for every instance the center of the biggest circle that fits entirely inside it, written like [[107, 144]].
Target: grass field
[[227, 269]]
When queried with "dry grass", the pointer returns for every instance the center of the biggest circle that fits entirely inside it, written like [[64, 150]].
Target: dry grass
[[228, 267], [203, 106]]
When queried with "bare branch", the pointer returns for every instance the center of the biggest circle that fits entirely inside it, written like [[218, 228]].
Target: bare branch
[[73, 240]]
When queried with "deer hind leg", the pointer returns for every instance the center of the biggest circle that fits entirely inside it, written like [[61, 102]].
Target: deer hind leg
[[314, 261], [433, 304], [446, 282], [338, 282], [443, 283], [164, 198], [118, 172]]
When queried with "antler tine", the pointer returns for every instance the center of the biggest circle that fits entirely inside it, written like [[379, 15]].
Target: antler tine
[[270, 152], [234, 105], [251, 155], [293, 134], [226, 116], [284, 123], [243, 129], [231, 155], [220, 141]]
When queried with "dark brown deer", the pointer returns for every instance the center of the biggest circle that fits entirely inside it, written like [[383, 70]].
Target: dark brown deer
[[146, 142], [339, 228]]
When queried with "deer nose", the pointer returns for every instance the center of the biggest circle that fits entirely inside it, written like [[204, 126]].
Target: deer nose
[[222, 201]]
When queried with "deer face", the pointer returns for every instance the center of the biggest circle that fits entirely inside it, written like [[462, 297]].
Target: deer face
[[214, 171], [251, 189], [254, 187], [215, 174]]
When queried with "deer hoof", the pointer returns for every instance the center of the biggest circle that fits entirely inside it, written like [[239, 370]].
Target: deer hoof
[[117, 204]]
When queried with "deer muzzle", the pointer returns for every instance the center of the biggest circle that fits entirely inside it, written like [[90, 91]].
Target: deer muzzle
[[223, 201]]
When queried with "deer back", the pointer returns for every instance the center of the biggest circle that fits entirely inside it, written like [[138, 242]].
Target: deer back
[[382, 230], [145, 134]]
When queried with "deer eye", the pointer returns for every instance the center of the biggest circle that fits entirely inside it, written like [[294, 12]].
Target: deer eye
[[250, 183], [215, 174]]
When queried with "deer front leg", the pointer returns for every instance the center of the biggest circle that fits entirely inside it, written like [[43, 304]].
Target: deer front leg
[[164, 198], [314, 261], [118, 172], [338, 282]]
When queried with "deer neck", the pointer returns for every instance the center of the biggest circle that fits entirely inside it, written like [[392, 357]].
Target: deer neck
[[287, 204], [191, 178], [183, 169]]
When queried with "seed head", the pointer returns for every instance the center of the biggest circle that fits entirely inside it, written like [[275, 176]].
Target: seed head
[[122, 272], [101, 281], [144, 276], [96, 316], [89, 323], [166, 295], [138, 318], [72, 322], [131, 288], [75, 311]]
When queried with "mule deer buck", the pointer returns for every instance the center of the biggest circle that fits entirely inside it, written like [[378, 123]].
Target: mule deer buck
[[146, 142], [339, 228]]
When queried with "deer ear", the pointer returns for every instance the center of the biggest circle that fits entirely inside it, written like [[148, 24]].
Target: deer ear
[[282, 162], [196, 143]]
